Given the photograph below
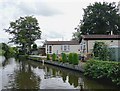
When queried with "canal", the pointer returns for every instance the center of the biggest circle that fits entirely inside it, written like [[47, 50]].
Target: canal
[[28, 74]]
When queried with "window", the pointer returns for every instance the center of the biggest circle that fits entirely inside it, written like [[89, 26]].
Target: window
[[65, 47], [68, 47], [49, 49], [61, 47], [83, 46]]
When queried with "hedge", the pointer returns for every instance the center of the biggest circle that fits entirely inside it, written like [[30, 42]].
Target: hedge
[[75, 59], [54, 57], [48, 56], [64, 57], [70, 58], [103, 69]]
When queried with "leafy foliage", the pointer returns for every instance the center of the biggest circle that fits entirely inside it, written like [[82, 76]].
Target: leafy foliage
[[101, 51], [8, 51], [100, 18], [76, 35], [25, 31], [48, 56], [103, 69], [54, 57], [75, 59], [64, 57], [70, 58]]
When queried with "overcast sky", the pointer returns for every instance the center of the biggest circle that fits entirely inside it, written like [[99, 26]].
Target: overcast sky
[[57, 18]]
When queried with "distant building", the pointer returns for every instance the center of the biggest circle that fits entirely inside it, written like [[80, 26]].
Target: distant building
[[119, 7], [87, 41], [41, 51], [59, 47]]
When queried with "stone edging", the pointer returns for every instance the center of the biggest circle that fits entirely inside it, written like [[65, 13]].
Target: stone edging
[[63, 65]]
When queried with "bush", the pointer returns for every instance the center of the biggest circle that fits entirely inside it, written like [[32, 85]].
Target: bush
[[54, 57], [103, 69], [75, 59], [101, 51], [64, 57], [70, 58], [48, 56]]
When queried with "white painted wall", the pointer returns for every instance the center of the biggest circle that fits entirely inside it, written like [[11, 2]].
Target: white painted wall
[[57, 49], [119, 7]]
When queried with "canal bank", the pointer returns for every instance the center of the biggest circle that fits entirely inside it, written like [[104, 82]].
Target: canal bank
[[28, 74], [81, 68], [59, 64]]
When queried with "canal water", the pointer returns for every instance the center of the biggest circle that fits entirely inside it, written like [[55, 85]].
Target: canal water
[[28, 74]]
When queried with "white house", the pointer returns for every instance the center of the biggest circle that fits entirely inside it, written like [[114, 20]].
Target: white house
[[87, 41], [118, 7], [59, 47]]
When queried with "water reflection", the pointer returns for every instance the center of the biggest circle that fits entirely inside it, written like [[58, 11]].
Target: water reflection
[[25, 78], [27, 74]]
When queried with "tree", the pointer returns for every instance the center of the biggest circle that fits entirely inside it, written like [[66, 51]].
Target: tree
[[25, 31], [100, 18], [76, 35], [64, 57], [8, 51], [34, 47]]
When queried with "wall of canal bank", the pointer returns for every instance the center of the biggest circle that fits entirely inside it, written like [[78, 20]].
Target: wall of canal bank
[[59, 64]]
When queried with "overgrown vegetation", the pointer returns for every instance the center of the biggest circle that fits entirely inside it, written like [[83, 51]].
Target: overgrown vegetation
[[101, 51], [8, 51], [48, 56], [54, 57], [103, 70], [75, 59], [64, 57], [70, 58]]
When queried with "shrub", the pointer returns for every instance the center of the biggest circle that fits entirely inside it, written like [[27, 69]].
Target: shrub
[[100, 50], [48, 56], [103, 69], [64, 57], [70, 58], [75, 59], [54, 57]]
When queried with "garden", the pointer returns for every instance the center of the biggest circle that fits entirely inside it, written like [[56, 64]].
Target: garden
[[98, 67], [101, 66], [71, 58]]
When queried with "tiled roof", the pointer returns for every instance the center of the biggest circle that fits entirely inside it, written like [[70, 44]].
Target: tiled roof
[[62, 42], [101, 37]]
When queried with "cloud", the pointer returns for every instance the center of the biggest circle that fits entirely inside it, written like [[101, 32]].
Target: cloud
[[29, 8], [57, 18], [12, 10], [51, 35]]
